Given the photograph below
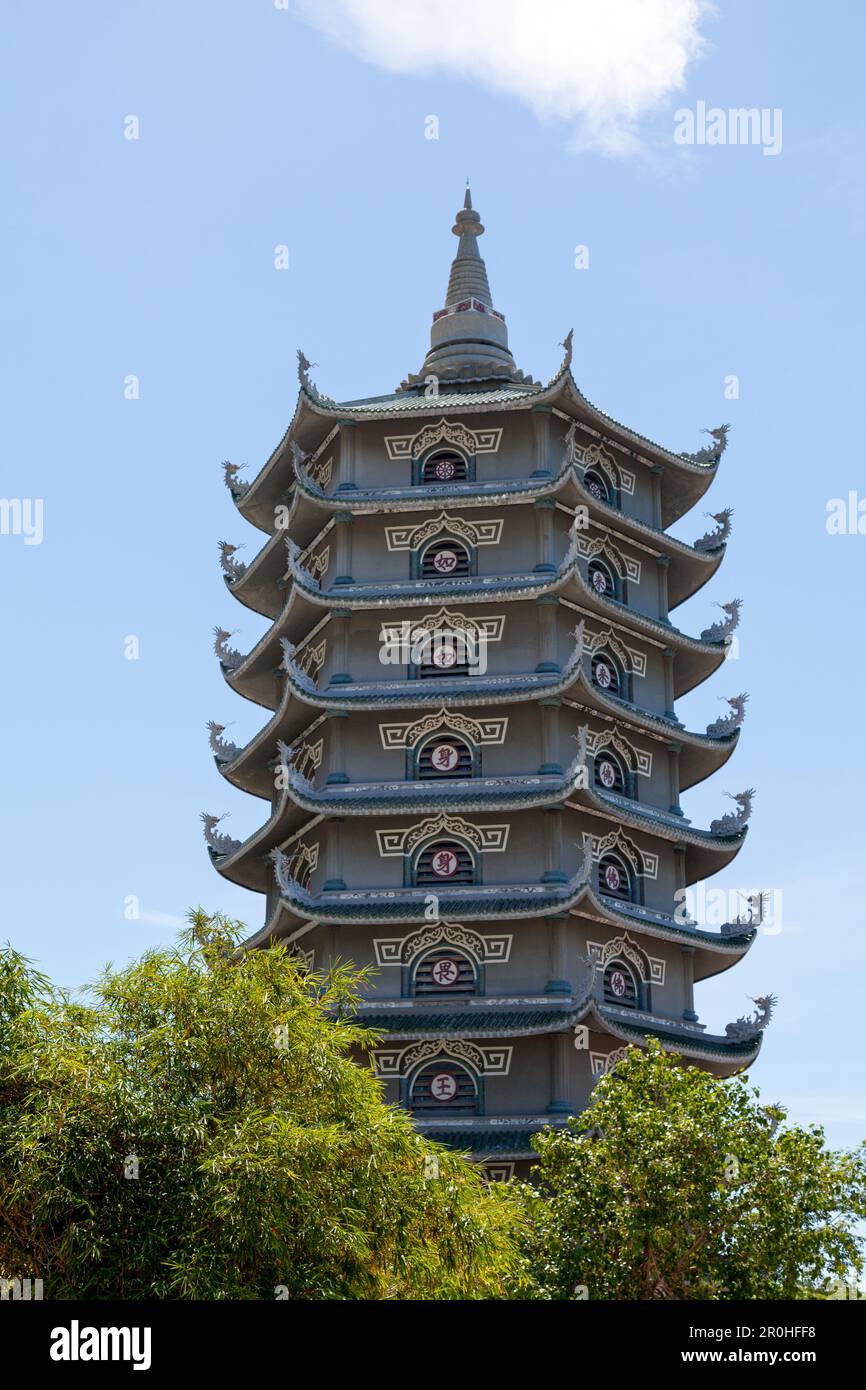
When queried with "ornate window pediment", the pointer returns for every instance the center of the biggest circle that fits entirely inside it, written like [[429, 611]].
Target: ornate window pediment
[[641, 862], [405, 950], [491, 839], [477, 731], [636, 761], [633, 661], [650, 969], [472, 532], [408, 446], [591, 548], [492, 1059]]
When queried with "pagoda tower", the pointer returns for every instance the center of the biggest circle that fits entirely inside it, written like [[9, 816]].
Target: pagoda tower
[[472, 762]]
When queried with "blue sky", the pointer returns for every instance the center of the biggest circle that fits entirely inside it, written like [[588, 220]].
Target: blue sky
[[155, 257]]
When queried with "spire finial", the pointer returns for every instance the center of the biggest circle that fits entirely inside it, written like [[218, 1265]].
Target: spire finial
[[467, 201]]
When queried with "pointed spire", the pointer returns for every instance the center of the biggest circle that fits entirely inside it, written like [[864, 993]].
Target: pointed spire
[[468, 272], [469, 339]]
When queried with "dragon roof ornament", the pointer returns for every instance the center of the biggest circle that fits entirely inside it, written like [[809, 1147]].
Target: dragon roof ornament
[[232, 569], [217, 842], [734, 821], [230, 658], [722, 631], [304, 365], [729, 723], [745, 1029], [223, 751], [714, 540], [236, 486], [712, 452]]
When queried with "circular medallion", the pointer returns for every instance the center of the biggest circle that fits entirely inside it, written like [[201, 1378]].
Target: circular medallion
[[443, 1087], [599, 581], [603, 675], [444, 863], [444, 972], [443, 469], [445, 757], [444, 655], [617, 983], [612, 877], [607, 773], [444, 561], [595, 490]]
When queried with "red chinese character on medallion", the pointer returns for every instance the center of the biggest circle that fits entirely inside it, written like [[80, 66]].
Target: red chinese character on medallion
[[606, 773], [444, 863], [443, 1087], [612, 877], [444, 561], [444, 972], [603, 675], [445, 757], [444, 655]]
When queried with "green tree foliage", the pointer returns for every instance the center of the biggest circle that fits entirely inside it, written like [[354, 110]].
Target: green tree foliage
[[677, 1185], [265, 1155]]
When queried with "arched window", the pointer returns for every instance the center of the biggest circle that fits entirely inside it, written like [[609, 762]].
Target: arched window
[[444, 466], [606, 674], [445, 970], [620, 986], [444, 862], [614, 879], [444, 755], [444, 558], [443, 654], [596, 485], [445, 1085], [608, 773], [602, 579]]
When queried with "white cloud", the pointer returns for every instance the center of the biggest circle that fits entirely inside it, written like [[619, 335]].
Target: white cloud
[[600, 65]]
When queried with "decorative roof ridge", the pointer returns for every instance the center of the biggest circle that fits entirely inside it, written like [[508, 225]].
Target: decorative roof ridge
[[471, 900], [667, 633], [471, 793], [398, 907], [672, 1036], [478, 690], [710, 554], [662, 925], [656, 821]]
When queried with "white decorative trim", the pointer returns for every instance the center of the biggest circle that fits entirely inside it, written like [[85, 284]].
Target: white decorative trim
[[408, 446], [321, 472], [490, 838], [404, 950], [484, 629], [307, 758], [596, 456], [316, 565], [601, 954], [302, 864], [633, 660], [625, 566], [618, 841], [497, 1171], [393, 1063], [310, 660], [603, 1062], [478, 731], [474, 532], [636, 759]]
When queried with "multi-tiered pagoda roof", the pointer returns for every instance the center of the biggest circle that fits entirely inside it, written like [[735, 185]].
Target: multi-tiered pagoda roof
[[472, 758]]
